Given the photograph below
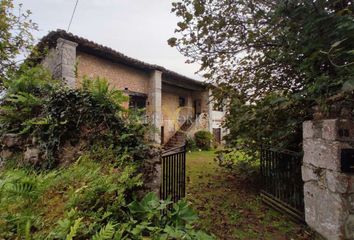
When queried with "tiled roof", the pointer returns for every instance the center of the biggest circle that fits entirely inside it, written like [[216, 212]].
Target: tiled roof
[[99, 50]]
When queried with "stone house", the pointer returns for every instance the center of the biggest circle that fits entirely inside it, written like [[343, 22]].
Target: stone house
[[176, 105]]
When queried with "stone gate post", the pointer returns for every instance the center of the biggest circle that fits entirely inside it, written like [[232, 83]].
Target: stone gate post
[[328, 175]]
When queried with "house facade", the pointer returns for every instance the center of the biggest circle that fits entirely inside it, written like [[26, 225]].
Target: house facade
[[177, 106]]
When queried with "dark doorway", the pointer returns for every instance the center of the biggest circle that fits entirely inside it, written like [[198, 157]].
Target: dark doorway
[[162, 135], [217, 135], [197, 108]]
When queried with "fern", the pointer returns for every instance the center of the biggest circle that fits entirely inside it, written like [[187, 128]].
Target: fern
[[28, 124], [105, 233], [24, 99], [24, 189], [31, 80], [73, 229], [100, 89], [28, 230], [25, 184]]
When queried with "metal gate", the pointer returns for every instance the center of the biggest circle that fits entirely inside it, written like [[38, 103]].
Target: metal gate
[[282, 182], [173, 183]]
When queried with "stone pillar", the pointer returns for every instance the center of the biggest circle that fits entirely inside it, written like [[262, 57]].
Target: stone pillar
[[61, 61], [155, 104], [328, 191], [151, 172], [210, 112]]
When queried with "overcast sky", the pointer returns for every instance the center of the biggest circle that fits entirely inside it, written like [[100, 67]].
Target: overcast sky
[[137, 28]]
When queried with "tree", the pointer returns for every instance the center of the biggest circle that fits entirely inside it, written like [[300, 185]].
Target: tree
[[16, 37], [272, 59]]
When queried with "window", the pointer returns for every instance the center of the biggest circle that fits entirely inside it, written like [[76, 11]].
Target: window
[[182, 101], [137, 102]]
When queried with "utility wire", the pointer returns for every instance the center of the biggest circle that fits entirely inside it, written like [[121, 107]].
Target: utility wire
[[72, 15]]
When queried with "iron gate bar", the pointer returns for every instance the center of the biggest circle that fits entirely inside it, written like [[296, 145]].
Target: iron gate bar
[[282, 182], [173, 174]]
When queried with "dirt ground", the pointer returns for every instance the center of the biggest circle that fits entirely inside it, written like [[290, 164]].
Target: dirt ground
[[230, 208]]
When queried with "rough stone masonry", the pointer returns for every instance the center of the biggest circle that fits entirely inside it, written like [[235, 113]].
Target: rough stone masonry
[[328, 189]]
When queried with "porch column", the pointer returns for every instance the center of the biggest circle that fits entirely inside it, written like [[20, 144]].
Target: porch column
[[210, 111], [61, 61], [155, 104]]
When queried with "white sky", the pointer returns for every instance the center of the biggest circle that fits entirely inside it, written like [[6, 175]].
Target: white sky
[[137, 28]]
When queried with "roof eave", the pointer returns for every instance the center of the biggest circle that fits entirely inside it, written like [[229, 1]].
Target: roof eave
[[110, 54]]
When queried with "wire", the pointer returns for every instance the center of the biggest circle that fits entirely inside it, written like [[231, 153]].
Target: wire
[[72, 15]]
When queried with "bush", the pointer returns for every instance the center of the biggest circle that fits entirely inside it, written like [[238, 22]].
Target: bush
[[245, 166], [54, 118], [203, 140], [190, 144]]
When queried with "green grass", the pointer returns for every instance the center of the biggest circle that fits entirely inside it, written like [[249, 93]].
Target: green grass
[[229, 207]]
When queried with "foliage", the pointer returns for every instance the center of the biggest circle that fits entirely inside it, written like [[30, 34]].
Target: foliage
[[175, 224], [274, 121], [240, 163], [35, 80], [272, 59], [15, 35], [101, 91], [106, 232], [203, 139], [25, 96], [87, 200], [57, 117], [191, 144]]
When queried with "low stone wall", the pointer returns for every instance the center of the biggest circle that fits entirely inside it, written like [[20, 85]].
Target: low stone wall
[[328, 192], [12, 146]]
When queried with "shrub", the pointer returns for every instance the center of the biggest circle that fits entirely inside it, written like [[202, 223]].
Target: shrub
[[245, 166], [53, 117], [190, 144], [203, 140]]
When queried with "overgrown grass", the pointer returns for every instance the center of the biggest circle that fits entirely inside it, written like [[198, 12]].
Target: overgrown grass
[[230, 207], [38, 204]]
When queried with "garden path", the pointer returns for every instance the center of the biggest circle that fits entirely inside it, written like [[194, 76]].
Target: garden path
[[230, 208]]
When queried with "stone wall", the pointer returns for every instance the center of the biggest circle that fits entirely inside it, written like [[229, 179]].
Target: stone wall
[[171, 111], [169, 107], [328, 192], [26, 152], [118, 75], [15, 147]]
